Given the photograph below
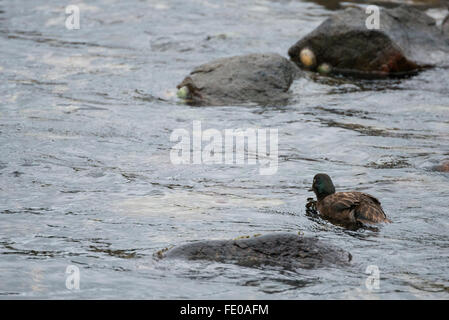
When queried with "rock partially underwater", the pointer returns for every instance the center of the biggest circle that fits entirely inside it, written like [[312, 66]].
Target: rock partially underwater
[[442, 167], [407, 41], [280, 249], [338, 4], [254, 78]]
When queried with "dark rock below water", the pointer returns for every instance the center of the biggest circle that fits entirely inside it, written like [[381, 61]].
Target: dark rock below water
[[407, 41], [259, 78], [280, 249], [443, 167]]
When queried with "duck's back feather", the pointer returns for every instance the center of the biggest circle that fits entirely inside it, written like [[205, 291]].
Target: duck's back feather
[[352, 207]]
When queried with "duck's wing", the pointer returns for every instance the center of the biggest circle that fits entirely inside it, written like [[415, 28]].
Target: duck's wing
[[369, 209], [340, 205], [353, 206]]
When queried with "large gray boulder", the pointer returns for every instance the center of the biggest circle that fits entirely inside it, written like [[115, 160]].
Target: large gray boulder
[[422, 4], [407, 41], [254, 78], [279, 249]]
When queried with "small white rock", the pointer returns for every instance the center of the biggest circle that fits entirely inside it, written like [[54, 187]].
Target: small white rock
[[307, 58], [183, 93], [324, 68]]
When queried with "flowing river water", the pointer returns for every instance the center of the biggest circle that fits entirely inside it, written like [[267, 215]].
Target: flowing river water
[[86, 178]]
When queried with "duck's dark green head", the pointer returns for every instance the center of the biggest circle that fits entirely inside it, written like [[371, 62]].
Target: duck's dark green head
[[322, 185]]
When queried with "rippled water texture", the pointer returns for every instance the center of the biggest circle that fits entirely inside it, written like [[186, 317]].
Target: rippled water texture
[[86, 179]]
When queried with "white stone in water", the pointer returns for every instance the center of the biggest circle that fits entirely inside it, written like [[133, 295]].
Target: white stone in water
[[324, 68], [307, 57], [183, 93]]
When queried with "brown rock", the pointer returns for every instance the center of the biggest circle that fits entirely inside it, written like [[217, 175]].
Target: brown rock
[[407, 41]]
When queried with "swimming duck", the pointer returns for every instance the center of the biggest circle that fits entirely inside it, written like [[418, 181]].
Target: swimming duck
[[349, 207]]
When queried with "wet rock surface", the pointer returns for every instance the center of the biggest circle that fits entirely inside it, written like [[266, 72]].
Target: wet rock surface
[[258, 78], [282, 249], [407, 41], [445, 25], [338, 4], [443, 167]]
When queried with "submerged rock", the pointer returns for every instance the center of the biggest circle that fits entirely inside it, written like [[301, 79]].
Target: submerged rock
[[259, 78], [407, 41], [279, 249], [442, 167]]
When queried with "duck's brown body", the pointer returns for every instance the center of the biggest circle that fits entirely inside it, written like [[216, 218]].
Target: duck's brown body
[[346, 207], [352, 207]]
